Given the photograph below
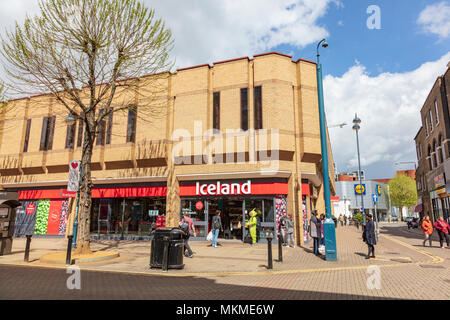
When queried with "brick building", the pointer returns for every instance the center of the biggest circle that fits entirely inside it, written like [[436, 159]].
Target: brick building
[[264, 153], [433, 151]]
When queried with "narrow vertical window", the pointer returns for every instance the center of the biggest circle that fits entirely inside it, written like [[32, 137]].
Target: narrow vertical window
[[216, 110], [437, 111], [258, 108], [101, 130], [431, 120], [48, 129], [70, 136], [109, 129], [80, 131], [27, 136], [426, 126], [131, 127], [244, 109]]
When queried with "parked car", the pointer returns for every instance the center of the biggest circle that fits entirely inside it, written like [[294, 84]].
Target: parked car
[[394, 218], [412, 223]]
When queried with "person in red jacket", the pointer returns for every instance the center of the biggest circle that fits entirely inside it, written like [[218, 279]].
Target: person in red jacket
[[427, 228], [443, 230]]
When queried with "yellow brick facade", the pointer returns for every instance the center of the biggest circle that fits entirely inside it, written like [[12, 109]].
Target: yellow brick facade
[[290, 110]]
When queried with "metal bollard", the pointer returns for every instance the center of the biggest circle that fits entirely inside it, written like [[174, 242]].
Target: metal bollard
[[165, 262], [269, 249], [280, 248], [69, 250], [27, 249]]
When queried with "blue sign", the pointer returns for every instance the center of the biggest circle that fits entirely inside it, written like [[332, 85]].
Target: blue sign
[[378, 188], [375, 198], [360, 189]]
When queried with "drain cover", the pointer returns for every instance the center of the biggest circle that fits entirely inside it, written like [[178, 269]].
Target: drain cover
[[431, 266]]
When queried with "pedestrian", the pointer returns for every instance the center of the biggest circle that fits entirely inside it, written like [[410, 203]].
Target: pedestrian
[[322, 233], [216, 226], [187, 229], [283, 226], [443, 230], [390, 218], [315, 231], [427, 228], [341, 220], [369, 236], [290, 231], [345, 220], [252, 226]]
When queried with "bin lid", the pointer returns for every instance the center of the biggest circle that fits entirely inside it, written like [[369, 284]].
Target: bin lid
[[176, 234]]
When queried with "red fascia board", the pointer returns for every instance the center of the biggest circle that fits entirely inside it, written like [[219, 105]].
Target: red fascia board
[[272, 52], [199, 66], [305, 189], [231, 60]]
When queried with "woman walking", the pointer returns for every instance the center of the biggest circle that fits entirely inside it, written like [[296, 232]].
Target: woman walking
[[315, 231], [443, 230], [216, 224], [427, 228], [290, 231]]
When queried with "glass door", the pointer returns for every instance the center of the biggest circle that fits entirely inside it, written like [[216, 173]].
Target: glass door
[[199, 216]]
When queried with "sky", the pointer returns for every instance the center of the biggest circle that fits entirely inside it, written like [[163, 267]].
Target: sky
[[382, 60]]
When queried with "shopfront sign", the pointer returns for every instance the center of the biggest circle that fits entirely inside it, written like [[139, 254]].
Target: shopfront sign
[[74, 176], [378, 188], [223, 188], [439, 181], [199, 205], [360, 189], [30, 208]]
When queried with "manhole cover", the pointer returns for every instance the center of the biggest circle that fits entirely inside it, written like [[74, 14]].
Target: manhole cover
[[431, 266]]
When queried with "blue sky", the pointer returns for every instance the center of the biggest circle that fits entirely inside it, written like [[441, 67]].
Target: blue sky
[[383, 75]]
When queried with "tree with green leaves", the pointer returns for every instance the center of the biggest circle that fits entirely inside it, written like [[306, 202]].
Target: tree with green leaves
[[402, 191], [89, 55]]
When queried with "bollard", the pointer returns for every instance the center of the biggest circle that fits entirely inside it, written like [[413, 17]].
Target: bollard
[[69, 250], [269, 249], [280, 248], [165, 262], [27, 248]]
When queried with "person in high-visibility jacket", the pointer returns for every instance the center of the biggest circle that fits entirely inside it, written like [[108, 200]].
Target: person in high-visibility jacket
[[252, 226]]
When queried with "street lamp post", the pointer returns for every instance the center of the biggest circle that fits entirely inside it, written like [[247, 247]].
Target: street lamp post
[[356, 127], [329, 226]]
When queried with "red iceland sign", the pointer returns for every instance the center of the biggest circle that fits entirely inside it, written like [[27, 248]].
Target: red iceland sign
[[199, 205]]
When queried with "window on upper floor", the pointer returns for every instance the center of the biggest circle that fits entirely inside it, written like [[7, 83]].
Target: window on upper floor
[[216, 110], [131, 125], [101, 129], [27, 136], [431, 121], [70, 136], [258, 108], [48, 129], [80, 130], [244, 109], [426, 126], [437, 111], [109, 128]]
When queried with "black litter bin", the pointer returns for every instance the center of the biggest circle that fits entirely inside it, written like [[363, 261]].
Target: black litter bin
[[175, 238]]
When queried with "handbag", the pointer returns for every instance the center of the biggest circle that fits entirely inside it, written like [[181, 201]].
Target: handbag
[[209, 237]]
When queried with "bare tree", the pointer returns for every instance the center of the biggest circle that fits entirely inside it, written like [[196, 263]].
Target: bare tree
[[89, 55]]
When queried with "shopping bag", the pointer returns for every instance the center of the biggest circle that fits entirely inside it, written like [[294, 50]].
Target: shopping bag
[[210, 236], [322, 249]]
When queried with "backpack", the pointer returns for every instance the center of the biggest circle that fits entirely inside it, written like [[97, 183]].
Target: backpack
[[216, 223], [185, 227]]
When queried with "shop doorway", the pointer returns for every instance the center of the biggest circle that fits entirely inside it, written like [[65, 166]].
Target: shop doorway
[[232, 217]]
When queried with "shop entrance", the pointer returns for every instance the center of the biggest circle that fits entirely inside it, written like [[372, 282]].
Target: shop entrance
[[233, 219]]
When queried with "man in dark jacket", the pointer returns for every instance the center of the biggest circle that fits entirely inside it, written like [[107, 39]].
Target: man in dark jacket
[[315, 231], [369, 236]]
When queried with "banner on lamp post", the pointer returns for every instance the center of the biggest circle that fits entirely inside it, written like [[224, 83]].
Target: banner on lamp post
[[74, 176]]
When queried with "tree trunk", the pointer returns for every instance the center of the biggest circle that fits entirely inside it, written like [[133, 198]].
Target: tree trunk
[[84, 212]]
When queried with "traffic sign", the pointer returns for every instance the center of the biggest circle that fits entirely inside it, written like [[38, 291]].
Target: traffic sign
[[375, 198]]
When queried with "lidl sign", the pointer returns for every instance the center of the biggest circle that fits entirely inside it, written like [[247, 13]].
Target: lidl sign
[[360, 189], [378, 190]]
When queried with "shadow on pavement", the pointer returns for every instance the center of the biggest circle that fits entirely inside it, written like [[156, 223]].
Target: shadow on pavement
[[51, 284]]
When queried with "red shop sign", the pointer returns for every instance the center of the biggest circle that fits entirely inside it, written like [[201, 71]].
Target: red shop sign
[[30, 208]]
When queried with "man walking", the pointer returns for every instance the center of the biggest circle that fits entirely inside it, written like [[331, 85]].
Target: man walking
[[290, 231], [369, 236], [443, 230], [186, 224], [216, 224], [315, 231]]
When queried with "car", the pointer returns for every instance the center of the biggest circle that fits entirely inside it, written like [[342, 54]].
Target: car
[[394, 218], [412, 223]]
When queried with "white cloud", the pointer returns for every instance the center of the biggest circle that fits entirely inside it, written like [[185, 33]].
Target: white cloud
[[388, 106], [435, 19]]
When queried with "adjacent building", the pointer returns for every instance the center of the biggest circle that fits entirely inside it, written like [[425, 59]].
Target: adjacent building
[[433, 151], [234, 136]]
